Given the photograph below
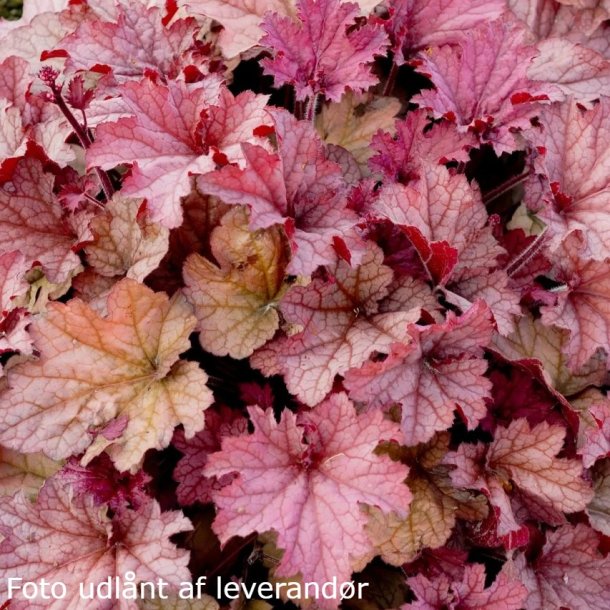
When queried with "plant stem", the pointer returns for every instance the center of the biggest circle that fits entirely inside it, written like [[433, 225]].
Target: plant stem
[[312, 107], [84, 139], [389, 84]]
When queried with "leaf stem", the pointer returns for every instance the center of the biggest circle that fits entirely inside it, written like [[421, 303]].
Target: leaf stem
[[84, 138], [312, 106], [389, 84]]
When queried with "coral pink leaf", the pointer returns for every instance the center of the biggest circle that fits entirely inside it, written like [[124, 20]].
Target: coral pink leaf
[[174, 133], [31, 216], [137, 43], [441, 369], [416, 24], [341, 327], [583, 306], [298, 183], [570, 573], [306, 480], [67, 538], [575, 167], [93, 370], [527, 457]]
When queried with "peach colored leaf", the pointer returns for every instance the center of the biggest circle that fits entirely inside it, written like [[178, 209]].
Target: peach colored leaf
[[126, 241], [340, 327], [575, 172], [318, 52], [235, 303], [174, 133], [121, 370], [583, 306], [570, 572], [306, 479], [438, 371], [433, 509], [31, 216], [65, 537], [598, 509], [24, 472], [533, 340], [526, 456], [353, 122]]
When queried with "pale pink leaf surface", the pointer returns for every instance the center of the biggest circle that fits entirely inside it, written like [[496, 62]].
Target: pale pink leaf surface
[[577, 71], [494, 289], [136, 43], [505, 593], [340, 327], [577, 166], [444, 207], [241, 19], [126, 241], [306, 479], [473, 85], [193, 485], [438, 371], [174, 133], [43, 32], [13, 266], [415, 24], [12, 134], [570, 573], [316, 54], [471, 473], [67, 538], [583, 306], [94, 371], [526, 456], [298, 187], [13, 320], [31, 216]]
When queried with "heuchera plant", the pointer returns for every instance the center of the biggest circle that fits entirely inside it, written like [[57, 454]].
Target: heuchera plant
[[303, 290]]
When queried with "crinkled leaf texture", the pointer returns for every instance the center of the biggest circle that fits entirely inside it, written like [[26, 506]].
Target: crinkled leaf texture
[[298, 187], [174, 132], [438, 370], [317, 54], [570, 572], [65, 537], [306, 479], [118, 377], [235, 303], [340, 325], [505, 593], [31, 216]]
